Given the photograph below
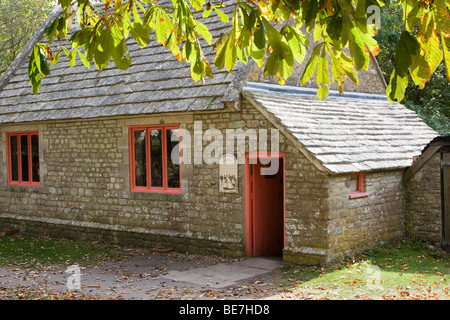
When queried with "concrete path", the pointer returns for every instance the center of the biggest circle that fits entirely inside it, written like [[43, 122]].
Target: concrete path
[[226, 274], [156, 276]]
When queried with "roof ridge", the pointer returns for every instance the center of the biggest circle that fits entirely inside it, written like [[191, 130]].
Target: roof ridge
[[287, 89]]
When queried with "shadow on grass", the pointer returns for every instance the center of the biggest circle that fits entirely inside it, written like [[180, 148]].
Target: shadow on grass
[[400, 269], [34, 252]]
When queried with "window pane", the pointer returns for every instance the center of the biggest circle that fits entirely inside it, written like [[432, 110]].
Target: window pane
[[156, 158], [140, 160], [35, 158], [354, 183], [173, 167], [24, 157], [14, 159]]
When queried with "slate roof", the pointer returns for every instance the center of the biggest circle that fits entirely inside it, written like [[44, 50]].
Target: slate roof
[[350, 133], [155, 82]]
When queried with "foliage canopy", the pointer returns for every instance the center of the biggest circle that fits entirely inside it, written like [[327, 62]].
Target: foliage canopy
[[18, 21], [271, 32], [432, 102]]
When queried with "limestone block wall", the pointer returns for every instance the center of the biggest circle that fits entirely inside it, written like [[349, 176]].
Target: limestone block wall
[[85, 194], [306, 194], [360, 223], [422, 202], [85, 190]]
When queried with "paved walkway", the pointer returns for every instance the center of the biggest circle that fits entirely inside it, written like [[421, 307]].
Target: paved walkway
[[156, 276], [226, 274]]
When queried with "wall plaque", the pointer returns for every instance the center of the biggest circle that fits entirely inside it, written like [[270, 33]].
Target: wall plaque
[[228, 175]]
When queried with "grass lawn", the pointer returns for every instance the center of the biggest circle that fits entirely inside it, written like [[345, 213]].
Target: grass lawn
[[37, 252], [392, 271]]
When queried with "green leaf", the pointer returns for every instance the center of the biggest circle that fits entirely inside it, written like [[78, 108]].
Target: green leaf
[[206, 68], [334, 28], [337, 71], [103, 51], [38, 67], [84, 60], [71, 55], [173, 45], [203, 31], [397, 86], [311, 66], [50, 32], [121, 55], [347, 6], [358, 50], [419, 70], [322, 68], [296, 42], [349, 68], [163, 27], [207, 12], [197, 4], [309, 9], [140, 34], [231, 54], [412, 10], [406, 47], [323, 92], [137, 17], [446, 46], [219, 59], [64, 3], [428, 41], [259, 39], [322, 76], [223, 17]]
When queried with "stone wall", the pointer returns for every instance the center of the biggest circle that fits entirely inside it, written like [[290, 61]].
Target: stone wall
[[85, 191], [306, 194], [360, 223], [422, 202], [85, 194]]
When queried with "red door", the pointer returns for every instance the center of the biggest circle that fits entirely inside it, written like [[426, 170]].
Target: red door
[[267, 211]]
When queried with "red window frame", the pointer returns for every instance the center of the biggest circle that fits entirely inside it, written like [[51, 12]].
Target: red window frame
[[30, 181], [165, 188], [360, 192]]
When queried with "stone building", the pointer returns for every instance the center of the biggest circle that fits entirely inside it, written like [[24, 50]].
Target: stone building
[[91, 157], [426, 194]]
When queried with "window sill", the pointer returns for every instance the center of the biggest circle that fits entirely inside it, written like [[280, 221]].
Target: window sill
[[35, 184], [355, 195], [146, 190]]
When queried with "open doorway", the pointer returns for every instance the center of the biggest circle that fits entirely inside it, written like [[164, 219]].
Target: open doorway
[[265, 231]]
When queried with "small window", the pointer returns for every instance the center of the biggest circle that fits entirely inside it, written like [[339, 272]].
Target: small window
[[152, 166], [23, 158], [356, 186]]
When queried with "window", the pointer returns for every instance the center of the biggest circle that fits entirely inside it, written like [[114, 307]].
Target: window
[[151, 163], [23, 158], [357, 186]]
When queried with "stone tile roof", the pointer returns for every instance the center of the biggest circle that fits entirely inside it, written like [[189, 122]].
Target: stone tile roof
[[155, 82], [350, 133]]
